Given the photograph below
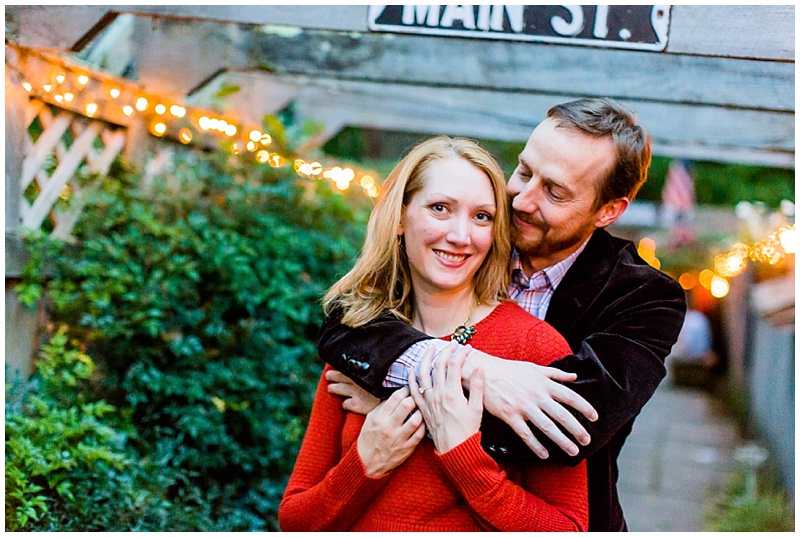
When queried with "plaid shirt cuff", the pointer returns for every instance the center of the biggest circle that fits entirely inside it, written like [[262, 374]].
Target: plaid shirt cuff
[[397, 377]]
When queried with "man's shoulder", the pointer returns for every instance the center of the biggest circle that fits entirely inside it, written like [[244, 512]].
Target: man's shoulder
[[623, 259]]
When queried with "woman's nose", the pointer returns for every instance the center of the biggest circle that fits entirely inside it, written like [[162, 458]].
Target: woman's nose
[[459, 232]]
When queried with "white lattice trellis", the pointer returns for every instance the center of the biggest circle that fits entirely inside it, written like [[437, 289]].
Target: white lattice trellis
[[51, 163]]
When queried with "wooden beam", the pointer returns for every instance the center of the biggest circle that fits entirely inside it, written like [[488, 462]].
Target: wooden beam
[[62, 28], [529, 67], [758, 32], [342, 18], [705, 133]]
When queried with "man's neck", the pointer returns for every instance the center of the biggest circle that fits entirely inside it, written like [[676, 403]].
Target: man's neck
[[534, 263]]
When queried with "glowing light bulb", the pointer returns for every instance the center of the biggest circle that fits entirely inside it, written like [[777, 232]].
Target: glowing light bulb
[[142, 104], [366, 181], [255, 135], [647, 244], [372, 191], [60, 78], [159, 128], [236, 148], [27, 86], [91, 109], [276, 161], [262, 156], [204, 123], [298, 165], [185, 136], [687, 281], [83, 80], [128, 110], [230, 130], [316, 168], [114, 92], [251, 146], [788, 239], [59, 98], [48, 88], [719, 286], [266, 139], [213, 124], [69, 97], [177, 110], [160, 109], [705, 277]]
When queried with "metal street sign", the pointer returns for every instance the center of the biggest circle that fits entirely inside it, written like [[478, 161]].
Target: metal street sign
[[629, 27]]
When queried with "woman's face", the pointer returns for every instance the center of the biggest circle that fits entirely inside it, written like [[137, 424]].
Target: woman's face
[[448, 226]]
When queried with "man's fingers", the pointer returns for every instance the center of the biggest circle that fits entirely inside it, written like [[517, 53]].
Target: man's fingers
[[541, 421], [573, 400], [522, 429], [561, 415], [556, 374]]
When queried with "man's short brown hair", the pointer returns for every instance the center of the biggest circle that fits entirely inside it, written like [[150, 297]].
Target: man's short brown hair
[[606, 117]]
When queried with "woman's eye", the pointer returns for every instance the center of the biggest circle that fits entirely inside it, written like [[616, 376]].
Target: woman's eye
[[484, 217], [438, 207]]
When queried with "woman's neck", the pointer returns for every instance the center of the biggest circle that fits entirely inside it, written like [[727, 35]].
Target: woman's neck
[[439, 314]]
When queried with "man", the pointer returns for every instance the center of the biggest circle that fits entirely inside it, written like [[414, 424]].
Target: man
[[578, 172]]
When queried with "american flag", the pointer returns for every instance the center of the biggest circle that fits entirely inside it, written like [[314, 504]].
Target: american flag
[[678, 192]]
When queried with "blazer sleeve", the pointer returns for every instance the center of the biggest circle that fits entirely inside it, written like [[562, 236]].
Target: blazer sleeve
[[365, 353], [620, 364], [328, 490]]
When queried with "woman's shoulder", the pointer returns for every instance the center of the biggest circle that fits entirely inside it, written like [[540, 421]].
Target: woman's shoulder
[[513, 333]]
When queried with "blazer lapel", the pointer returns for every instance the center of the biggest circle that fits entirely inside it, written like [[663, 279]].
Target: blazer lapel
[[581, 284]]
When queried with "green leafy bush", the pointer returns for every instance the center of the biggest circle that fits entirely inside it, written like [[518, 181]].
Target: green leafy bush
[[198, 298]]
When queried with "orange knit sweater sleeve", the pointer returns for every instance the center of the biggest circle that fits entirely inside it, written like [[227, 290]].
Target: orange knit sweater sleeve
[[323, 477], [549, 497], [543, 503]]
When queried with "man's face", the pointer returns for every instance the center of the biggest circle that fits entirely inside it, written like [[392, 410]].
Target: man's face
[[553, 193]]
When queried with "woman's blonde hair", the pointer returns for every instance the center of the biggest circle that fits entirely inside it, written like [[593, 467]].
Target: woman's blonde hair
[[381, 279]]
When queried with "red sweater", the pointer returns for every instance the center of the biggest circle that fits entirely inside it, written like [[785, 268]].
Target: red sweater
[[461, 490]]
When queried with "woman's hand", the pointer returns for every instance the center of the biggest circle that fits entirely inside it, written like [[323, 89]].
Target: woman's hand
[[356, 398], [450, 416], [389, 435]]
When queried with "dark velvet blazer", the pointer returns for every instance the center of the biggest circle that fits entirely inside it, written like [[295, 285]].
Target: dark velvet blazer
[[620, 317]]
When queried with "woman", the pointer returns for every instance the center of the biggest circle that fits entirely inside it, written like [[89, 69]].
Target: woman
[[436, 255]]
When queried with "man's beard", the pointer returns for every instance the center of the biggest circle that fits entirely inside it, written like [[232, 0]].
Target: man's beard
[[542, 245]]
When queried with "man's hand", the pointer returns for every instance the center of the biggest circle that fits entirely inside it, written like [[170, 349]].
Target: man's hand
[[356, 399], [390, 434], [518, 392]]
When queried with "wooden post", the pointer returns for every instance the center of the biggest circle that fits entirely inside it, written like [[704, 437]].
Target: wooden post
[[21, 322]]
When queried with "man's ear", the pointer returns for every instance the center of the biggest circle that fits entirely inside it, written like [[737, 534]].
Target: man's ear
[[610, 211]]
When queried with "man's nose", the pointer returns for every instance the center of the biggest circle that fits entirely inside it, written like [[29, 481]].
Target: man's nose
[[526, 200]]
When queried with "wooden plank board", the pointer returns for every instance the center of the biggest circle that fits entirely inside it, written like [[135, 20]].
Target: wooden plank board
[[530, 67], [713, 133], [763, 32]]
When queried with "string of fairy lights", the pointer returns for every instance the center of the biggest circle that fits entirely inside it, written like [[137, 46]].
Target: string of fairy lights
[[771, 250], [77, 88]]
